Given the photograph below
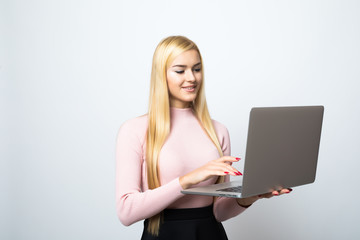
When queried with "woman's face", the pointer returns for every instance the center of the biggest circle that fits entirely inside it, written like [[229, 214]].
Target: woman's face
[[184, 79]]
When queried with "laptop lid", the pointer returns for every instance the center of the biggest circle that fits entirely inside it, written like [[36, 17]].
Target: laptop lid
[[281, 152], [282, 148]]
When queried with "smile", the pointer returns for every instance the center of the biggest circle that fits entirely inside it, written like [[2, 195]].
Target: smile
[[189, 89]]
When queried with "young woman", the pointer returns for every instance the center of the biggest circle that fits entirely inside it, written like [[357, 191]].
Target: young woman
[[176, 145]]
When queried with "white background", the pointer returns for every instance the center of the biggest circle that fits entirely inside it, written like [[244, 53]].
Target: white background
[[71, 72]]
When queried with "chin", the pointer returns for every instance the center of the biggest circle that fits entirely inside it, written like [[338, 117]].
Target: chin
[[188, 100]]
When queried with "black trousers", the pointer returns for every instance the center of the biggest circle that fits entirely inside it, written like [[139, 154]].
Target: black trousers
[[188, 224]]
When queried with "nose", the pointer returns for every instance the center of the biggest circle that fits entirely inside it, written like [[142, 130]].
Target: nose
[[189, 76]]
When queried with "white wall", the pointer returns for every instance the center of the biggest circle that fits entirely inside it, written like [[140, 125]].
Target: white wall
[[72, 71]]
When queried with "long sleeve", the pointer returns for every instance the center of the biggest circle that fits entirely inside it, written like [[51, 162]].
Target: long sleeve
[[186, 148], [133, 203], [225, 208]]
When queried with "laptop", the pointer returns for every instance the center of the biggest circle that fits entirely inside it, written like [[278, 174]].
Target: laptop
[[281, 152]]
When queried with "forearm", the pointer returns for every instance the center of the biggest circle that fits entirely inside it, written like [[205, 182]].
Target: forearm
[[226, 208], [133, 206]]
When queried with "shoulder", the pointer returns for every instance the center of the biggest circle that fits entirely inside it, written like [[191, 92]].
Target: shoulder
[[223, 136], [220, 128], [135, 127], [137, 122]]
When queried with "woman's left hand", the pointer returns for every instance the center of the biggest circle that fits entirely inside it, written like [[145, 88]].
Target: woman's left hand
[[247, 202]]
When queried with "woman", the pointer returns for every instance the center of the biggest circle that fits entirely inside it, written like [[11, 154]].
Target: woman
[[173, 147]]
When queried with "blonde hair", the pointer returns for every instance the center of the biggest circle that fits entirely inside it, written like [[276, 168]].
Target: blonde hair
[[159, 111]]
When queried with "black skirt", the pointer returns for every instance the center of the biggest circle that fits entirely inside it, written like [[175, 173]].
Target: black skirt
[[188, 224]]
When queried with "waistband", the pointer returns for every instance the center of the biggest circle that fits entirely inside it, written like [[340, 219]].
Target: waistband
[[188, 213]]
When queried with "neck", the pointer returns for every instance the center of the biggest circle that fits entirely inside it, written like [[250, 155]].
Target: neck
[[179, 104]]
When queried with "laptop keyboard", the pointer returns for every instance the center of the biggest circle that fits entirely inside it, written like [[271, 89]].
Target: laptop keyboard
[[231, 189]]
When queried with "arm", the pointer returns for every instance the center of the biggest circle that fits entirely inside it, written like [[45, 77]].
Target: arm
[[132, 203], [224, 208]]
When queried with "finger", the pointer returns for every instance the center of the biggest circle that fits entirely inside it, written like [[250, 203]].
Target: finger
[[234, 171], [229, 159], [225, 168], [275, 193], [220, 170], [228, 172], [285, 190]]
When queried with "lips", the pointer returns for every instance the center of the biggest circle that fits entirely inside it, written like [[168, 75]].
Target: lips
[[189, 88]]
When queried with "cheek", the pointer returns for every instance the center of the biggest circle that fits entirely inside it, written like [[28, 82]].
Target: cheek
[[171, 82], [173, 79], [171, 87], [198, 77]]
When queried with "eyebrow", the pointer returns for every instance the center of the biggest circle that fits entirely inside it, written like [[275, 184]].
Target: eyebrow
[[179, 65]]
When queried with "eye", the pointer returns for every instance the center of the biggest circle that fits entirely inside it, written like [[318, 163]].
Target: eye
[[180, 71], [197, 69]]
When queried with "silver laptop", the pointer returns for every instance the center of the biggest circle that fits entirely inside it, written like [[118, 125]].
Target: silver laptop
[[281, 152]]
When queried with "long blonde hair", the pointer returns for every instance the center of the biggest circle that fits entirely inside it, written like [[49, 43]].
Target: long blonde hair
[[159, 111]]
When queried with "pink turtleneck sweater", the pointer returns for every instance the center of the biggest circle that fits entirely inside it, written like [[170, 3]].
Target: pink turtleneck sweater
[[187, 148]]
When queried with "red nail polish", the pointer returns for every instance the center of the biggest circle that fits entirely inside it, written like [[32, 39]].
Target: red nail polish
[[240, 173], [226, 172], [238, 159], [276, 194]]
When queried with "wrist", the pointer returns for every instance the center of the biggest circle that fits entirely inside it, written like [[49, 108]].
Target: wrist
[[184, 183], [243, 202]]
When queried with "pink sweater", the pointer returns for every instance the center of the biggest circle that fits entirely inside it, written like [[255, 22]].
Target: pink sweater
[[187, 148]]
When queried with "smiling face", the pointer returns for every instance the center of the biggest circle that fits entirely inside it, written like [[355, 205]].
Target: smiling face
[[184, 79]]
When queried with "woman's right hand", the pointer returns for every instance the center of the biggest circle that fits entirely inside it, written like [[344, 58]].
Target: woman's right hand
[[218, 167]]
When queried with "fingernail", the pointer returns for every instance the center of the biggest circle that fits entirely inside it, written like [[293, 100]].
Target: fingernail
[[290, 189], [226, 172], [276, 193], [238, 159], [240, 173]]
